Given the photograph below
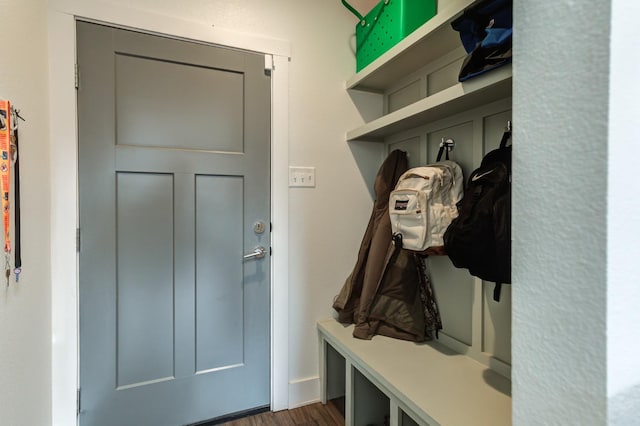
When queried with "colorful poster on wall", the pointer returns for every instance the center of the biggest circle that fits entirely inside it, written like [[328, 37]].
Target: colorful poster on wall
[[5, 169]]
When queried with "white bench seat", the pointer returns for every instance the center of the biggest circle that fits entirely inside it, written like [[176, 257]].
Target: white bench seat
[[429, 383]]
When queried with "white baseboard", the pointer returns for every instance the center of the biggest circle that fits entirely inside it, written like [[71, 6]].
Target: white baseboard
[[304, 392]]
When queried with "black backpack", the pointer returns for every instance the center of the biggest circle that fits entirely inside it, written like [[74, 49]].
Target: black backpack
[[479, 239], [486, 31]]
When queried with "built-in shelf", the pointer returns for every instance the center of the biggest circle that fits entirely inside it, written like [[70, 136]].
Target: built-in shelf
[[459, 380], [475, 92], [432, 40]]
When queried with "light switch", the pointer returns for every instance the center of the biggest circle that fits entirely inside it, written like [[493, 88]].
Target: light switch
[[302, 177]]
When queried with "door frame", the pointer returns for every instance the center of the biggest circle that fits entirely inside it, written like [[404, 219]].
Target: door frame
[[62, 16]]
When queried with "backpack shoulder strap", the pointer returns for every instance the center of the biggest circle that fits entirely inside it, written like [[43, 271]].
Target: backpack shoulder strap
[[505, 138], [496, 292]]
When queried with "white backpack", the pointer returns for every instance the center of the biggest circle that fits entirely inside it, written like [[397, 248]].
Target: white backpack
[[423, 204]]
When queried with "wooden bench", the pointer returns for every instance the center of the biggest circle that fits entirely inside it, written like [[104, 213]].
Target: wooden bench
[[423, 384]]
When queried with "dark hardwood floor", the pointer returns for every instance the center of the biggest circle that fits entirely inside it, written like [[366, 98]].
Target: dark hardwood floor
[[331, 414]]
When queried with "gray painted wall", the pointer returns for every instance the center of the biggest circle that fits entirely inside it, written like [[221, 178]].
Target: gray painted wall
[[575, 214], [559, 212]]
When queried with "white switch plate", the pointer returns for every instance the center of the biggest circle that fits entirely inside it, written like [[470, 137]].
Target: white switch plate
[[302, 177]]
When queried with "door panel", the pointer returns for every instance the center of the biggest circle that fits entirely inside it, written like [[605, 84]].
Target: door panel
[[173, 173], [150, 91], [219, 307], [144, 287]]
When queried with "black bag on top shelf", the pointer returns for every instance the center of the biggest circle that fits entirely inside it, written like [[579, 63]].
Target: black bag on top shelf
[[486, 32]]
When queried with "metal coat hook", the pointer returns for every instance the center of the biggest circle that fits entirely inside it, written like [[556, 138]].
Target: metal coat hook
[[16, 112], [448, 144], [15, 116]]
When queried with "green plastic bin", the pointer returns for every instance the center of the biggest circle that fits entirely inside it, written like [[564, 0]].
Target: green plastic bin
[[386, 24]]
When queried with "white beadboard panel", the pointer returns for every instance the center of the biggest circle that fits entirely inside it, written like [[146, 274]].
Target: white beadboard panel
[[413, 149], [473, 324], [403, 96], [493, 127], [462, 153], [444, 77], [496, 323], [454, 292]]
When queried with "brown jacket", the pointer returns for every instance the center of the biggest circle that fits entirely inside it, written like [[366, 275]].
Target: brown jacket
[[382, 293]]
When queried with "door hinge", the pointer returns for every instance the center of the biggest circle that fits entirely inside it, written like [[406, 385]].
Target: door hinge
[[78, 240], [78, 403], [76, 76]]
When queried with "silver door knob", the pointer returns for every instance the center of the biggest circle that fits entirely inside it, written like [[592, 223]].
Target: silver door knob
[[257, 253]]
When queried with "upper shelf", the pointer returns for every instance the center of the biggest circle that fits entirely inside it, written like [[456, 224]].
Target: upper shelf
[[493, 85], [429, 42]]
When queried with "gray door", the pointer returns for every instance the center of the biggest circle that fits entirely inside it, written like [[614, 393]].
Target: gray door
[[174, 142]]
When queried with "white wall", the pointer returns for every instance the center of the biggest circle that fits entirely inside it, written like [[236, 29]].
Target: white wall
[[25, 321], [623, 231]]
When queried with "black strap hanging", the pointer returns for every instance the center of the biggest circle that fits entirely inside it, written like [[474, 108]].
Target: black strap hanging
[[17, 250], [17, 246], [503, 146]]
